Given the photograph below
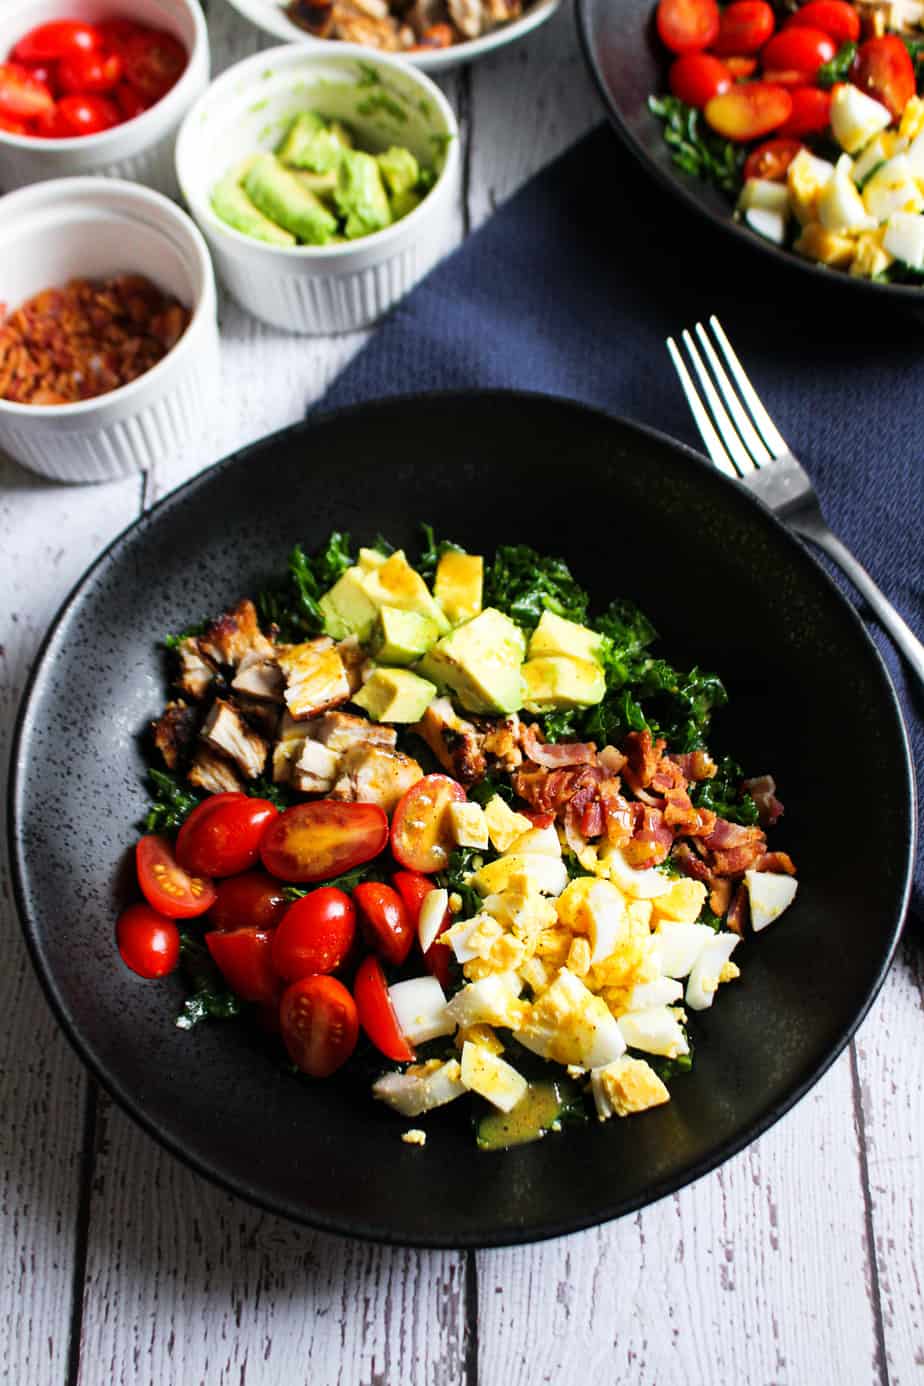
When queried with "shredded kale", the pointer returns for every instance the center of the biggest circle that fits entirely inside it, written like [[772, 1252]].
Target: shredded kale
[[523, 584], [173, 642], [694, 148], [210, 997], [484, 791], [667, 1069], [723, 794], [563, 725], [838, 69], [292, 605], [277, 794], [433, 551], [172, 804], [462, 862], [708, 916], [574, 867], [382, 546], [375, 870]]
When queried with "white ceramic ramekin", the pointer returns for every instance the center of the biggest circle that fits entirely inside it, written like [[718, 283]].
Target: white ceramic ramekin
[[322, 289], [95, 228], [142, 149]]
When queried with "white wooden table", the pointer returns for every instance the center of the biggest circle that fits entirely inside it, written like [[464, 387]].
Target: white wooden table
[[800, 1261]]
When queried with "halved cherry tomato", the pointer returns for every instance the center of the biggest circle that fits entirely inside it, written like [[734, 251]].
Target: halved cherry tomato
[[114, 32], [798, 50], [148, 942], [744, 27], [421, 829], [811, 112], [884, 69], [46, 73], [771, 159], [740, 67], [154, 62], [685, 26], [21, 96], [787, 77], [697, 77], [253, 900], [315, 934], [748, 110], [312, 842], [51, 126], [130, 102], [412, 887], [834, 17], [385, 922], [377, 1014], [319, 1025], [222, 836], [89, 73], [166, 886], [15, 127], [87, 115], [57, 39], [438, 957], [244, 957]]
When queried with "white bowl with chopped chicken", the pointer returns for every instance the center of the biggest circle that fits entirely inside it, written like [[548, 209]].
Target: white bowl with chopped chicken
[[328, 251], [87, 256], [432, 34]]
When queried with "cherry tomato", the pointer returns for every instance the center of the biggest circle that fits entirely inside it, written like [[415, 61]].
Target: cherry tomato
[[57, 39], [421, 829], [811, 112], [89, 73], [166, 886], [15, 127], [884, 70], [244, 957], [786, 77], [835, 18], [697, 77], [771, 159], [87, 115], [315, 934], [798, 50], [312, 842], [130, 102], [744, 27], [438, 958], [51, 126], [748, 110], [412, 887], [21, 96], [385, 921], [149, 943], [222, 836], [46, 73], [740, 67], [377, 1014], [154, 62], [319, 1025], [685, 26], [253, 900], [113, 32]]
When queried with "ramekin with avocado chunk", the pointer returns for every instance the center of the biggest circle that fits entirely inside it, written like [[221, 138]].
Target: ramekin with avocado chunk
[[325, 184]]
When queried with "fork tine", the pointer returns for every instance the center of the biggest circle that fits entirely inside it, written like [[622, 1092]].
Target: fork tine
[[749, 434], [703, 422], [771, 434], [736, 449]]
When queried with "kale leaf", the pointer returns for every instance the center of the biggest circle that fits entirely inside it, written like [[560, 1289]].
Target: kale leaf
[[375, 870], [564, 725], [277, 794], [172, 804], [838, 69], [433, 551], [723, 794], [523, 584], [292, 605], [173, 642], [484, 791], [461, 863], [695, 149], [210, 997], [666, 1069]]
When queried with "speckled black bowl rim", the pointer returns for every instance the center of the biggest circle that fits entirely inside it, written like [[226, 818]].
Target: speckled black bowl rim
[[352, 1227], [907, 294]]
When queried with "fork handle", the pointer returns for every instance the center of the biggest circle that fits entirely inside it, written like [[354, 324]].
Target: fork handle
[[904, 637]]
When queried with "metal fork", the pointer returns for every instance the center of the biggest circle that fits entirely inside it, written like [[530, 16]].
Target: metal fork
[[752, 451]]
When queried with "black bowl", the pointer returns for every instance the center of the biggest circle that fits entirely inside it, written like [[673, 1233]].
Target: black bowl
[[634, 514], [629, 64]]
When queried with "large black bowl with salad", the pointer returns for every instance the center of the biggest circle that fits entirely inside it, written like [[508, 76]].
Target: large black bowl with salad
[[493, 658], [790, 124]]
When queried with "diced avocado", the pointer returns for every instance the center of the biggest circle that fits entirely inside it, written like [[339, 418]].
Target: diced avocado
[[395, 583], [314, 143], [458, 584], [555, 635], [559, 681], [281, 197], [347, 609], [370, 558], [321, 184], [395, 695], [480, 662], [299, 136], [403, 203], [231, 205], [399, 168], [360, 195], [401, 637]]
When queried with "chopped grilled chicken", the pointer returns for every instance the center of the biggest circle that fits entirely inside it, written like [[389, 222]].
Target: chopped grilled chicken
[[340, 730], [285, 754], [423, 14], [316, 768], [502, 742], [468, 16], [290, 729], [358, 666], [263, 717], [375, 9], [211, 772], [233, 635], [455, 742], [226, 731], [196, 673], [316, 678], [175, 732], [375, 775], [259, 676], [502, 11], [351, 25]]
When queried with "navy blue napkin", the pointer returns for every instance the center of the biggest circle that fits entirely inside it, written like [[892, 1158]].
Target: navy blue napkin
[[571, 289]]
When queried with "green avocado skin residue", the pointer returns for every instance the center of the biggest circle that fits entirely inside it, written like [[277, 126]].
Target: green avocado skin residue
[[528, 1121]]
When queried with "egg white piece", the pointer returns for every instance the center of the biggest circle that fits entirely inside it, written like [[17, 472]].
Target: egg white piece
[[770, 225], [432, 913], [420, 1009], [491, 1001], [873, 155], [470, 938], [856, 118], [547, 874], [916, 156], [703, 982], [411, 1095], [640, 885], [770, 894], [655, 1031], [766, 195], [572, 1025], [469, 825], [840, 206], [904, 238], [892, 189], [606, 916], [492, 1077], [663, 991], [541, 841], [679, 945]]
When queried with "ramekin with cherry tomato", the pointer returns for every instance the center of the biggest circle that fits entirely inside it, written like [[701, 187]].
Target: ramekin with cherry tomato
[[66, 78]]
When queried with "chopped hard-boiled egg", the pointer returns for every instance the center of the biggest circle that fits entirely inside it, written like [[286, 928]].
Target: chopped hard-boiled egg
[[571, 1025], [877, 152], [473, 938], [679, 945], [595, 908], [827, 247], [547, 874], [432, 913], [420, 1009], [493, 1000], [542, 840], [766, 195], [892, 189], [683, 903], [625, 1086], [770, 225], [911, 126], [469, 825], [806, 178], [871, 256], [492, 1077], [769, 895], [840, 206], [414, 1136], [421, 1088], [706, 973], [655, 1030], [504, 826], [904, 238], [856, 117], [662, 991], [640, 885]]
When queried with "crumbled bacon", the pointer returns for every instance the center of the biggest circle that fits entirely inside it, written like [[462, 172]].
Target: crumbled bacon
[[739, 911], [652, 840], [687, 862], [643, 756], [696, 765], [618, 814], [555, 755], [763, 791], [720, 896], [781, 863], [612, 760]]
